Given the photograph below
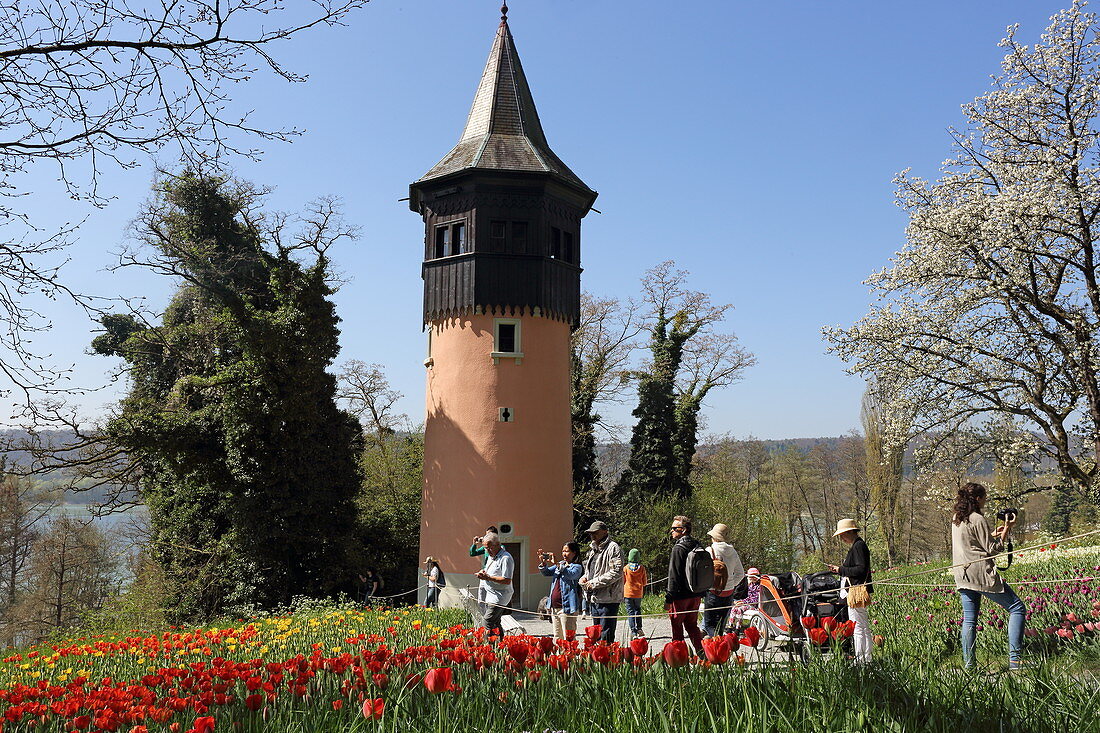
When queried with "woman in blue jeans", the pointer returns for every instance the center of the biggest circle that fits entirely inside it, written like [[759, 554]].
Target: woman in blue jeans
[[973, 547]]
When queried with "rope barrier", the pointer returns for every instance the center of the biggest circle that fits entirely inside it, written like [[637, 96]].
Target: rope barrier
[[1015, 583], [887, 581], [396, 595]]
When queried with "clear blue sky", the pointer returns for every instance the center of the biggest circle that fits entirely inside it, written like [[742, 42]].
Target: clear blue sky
[[754, 143]]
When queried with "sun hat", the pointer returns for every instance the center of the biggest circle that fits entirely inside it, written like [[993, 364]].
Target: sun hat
[[597, 526], [718, 532], [845, 525], [753, 571], [429, 559], [634, 555]]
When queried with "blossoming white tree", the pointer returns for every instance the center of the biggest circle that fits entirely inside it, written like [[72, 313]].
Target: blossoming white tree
[[992, 307]]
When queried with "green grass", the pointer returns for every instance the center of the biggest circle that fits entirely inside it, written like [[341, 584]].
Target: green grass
[[915, 683]]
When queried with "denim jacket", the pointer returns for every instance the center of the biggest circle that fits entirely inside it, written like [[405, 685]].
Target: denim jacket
[[570, 588]]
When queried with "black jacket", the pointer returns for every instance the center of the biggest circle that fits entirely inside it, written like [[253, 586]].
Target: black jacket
[[678, 587], [857, 566]]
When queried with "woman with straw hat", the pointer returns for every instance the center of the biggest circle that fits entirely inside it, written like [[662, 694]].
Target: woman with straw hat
[[856, 588], [719, 600]]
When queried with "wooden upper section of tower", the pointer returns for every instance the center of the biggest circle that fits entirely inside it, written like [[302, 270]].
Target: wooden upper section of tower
[[502, 212]]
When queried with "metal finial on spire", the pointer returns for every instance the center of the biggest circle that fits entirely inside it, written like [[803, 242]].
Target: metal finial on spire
[[504, 11]]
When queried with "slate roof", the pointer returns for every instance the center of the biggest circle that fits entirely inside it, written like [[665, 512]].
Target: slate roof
[[503, 131]]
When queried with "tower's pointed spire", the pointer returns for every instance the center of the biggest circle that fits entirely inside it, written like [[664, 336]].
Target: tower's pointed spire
[[503, 131]]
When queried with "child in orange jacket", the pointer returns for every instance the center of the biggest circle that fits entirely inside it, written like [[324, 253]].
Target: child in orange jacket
[[634, 582]]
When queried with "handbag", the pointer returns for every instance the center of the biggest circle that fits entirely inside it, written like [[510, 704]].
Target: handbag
[[857, 595]]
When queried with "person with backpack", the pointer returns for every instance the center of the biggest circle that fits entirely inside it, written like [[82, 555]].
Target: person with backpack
[[690, 575], [634, 582], [728, 574], [437, 581]]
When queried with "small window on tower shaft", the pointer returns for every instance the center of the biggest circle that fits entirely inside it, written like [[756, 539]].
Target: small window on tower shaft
[[507, 340], [555, 243], [567, 247]]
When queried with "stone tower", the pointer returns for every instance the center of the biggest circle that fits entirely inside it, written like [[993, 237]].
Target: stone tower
[[502, 219]]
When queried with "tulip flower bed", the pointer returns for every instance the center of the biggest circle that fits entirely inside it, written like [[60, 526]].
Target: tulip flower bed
[[343, 669]]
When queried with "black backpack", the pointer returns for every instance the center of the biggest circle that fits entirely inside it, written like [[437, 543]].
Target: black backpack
[[699, 569], [441, 579]]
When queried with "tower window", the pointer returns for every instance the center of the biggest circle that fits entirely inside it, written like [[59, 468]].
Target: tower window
[[498, 233], [561, 245], [506, 339], [458, 238], [507, 236], [519, 236], [450, 239], [442, 241]]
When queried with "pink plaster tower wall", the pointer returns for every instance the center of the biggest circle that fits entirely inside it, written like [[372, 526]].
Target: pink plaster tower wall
[[479, 470]]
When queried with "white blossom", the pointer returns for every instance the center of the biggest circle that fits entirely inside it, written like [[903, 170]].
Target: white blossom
[[992, 307]]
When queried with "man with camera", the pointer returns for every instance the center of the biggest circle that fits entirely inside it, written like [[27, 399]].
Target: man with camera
[[973, 548]]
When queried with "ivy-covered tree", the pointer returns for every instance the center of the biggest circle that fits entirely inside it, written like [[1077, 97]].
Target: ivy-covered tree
[[688, 359], [248, 467]]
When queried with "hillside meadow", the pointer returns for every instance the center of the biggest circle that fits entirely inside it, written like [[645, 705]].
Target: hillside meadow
[[330, 667]]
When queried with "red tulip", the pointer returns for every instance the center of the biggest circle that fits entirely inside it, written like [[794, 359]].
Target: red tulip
[[717, 650], [254, 702], [381, 680], [732, 638], [519, 651], [808, 622], [750, 636], [640, 646], [818, 636], [204, 724], [337, 704], [829, 623], [675, 654], [439, 679], [373, 709], [593, 632], [601, 654], [546, 644]]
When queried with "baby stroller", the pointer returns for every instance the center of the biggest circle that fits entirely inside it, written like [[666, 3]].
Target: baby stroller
[[821, 599], [776, 616]]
